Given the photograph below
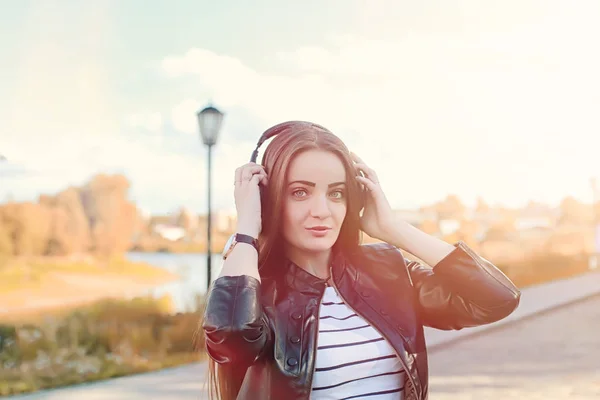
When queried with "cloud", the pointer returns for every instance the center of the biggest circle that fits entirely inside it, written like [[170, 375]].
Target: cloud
[[496, 103], [232, 83], [461, 111], [149, 121], [183, 116]]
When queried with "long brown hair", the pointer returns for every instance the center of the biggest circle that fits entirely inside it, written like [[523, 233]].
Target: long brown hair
[[223, 381]]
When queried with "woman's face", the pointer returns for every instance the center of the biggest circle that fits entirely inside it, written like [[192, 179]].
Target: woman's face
[[315, 201]]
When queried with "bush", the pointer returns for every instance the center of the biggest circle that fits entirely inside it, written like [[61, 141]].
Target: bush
[[104, 340], [545, 267]]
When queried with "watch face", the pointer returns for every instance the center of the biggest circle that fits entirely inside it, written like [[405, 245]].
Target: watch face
[[228, 245]]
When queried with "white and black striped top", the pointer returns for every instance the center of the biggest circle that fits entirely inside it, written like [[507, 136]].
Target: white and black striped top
[[353, 361]]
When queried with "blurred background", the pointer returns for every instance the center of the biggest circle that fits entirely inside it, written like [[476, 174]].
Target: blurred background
[[123, 123]]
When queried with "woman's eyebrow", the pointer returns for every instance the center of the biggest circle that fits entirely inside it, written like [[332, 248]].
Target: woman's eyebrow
[[312, 184]]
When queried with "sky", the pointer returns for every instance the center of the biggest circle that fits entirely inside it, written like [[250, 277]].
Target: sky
[[498, 100]]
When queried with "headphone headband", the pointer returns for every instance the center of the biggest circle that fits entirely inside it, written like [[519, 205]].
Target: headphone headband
[[280, 128]]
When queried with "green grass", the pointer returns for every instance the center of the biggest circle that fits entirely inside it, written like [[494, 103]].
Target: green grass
[[104, 340]]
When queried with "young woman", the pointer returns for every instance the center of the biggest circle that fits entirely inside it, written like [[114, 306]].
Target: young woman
[[302, 310]]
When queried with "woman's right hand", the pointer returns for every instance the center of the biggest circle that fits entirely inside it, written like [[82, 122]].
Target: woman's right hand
[[247, 198]]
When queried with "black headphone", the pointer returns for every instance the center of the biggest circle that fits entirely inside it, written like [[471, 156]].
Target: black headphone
[[280, 128]]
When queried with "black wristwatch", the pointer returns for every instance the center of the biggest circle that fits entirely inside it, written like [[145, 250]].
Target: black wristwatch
[[238, 238]]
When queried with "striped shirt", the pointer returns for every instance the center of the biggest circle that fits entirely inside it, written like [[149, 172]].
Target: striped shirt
[[353, 360]]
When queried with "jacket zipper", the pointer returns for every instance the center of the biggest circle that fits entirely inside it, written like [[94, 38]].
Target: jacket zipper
[[312, 375], [378, 331]]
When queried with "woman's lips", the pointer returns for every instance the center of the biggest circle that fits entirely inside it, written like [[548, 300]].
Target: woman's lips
[[319, 231]]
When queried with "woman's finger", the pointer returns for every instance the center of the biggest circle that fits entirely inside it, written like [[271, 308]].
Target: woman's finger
[[363, 165], [249, 170], [367, 171], [238, 175], [246, 175], [255, 179], [245, 171], [369, 184], [264, 179], [258, 177]]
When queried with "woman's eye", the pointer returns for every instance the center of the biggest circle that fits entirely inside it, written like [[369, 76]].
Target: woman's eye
[[339, 194], [295, 192]]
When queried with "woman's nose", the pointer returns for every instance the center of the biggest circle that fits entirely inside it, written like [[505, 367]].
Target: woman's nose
[[320, 207]]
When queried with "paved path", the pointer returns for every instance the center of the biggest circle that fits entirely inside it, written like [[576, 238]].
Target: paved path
[[550, 357], [183, 383], [534, 300], [538, 357]]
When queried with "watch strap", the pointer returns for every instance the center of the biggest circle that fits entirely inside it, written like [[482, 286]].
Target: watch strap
[[243, 238], [240, 237]]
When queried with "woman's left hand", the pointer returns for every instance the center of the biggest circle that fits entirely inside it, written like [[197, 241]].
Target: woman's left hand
[[378, 218]]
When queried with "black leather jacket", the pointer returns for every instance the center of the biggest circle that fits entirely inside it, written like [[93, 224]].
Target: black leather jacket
[[270, 327]]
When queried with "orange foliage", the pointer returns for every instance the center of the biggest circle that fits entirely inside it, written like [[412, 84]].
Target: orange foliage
[[95, 218]]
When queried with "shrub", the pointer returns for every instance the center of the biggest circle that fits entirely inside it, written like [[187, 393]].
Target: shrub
[[103, 340]]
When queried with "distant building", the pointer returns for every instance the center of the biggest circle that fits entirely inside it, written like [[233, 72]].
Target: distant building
[[485, 218], [448, 226], [225, 221], [536, 215], [529, 223], [169, 232], [534, 233]]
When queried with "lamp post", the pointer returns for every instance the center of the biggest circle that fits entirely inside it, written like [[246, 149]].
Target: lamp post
[[596, 250], [209, 122]]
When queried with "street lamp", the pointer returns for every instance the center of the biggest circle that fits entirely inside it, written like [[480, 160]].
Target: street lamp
[[596, 218], [209, 122]]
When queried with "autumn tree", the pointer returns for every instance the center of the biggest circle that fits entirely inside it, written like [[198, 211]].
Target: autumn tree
[[111, 216], [429, 226], [450, 208], [503, 230], [97, 217], [468, 232], [574, 212], [28, 225], [482, 206], [6, 245], [70, 230]]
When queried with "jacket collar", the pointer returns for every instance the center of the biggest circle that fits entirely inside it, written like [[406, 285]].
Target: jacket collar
[[300, 280]]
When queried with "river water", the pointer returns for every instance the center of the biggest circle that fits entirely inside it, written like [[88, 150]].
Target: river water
[[192, 271]]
